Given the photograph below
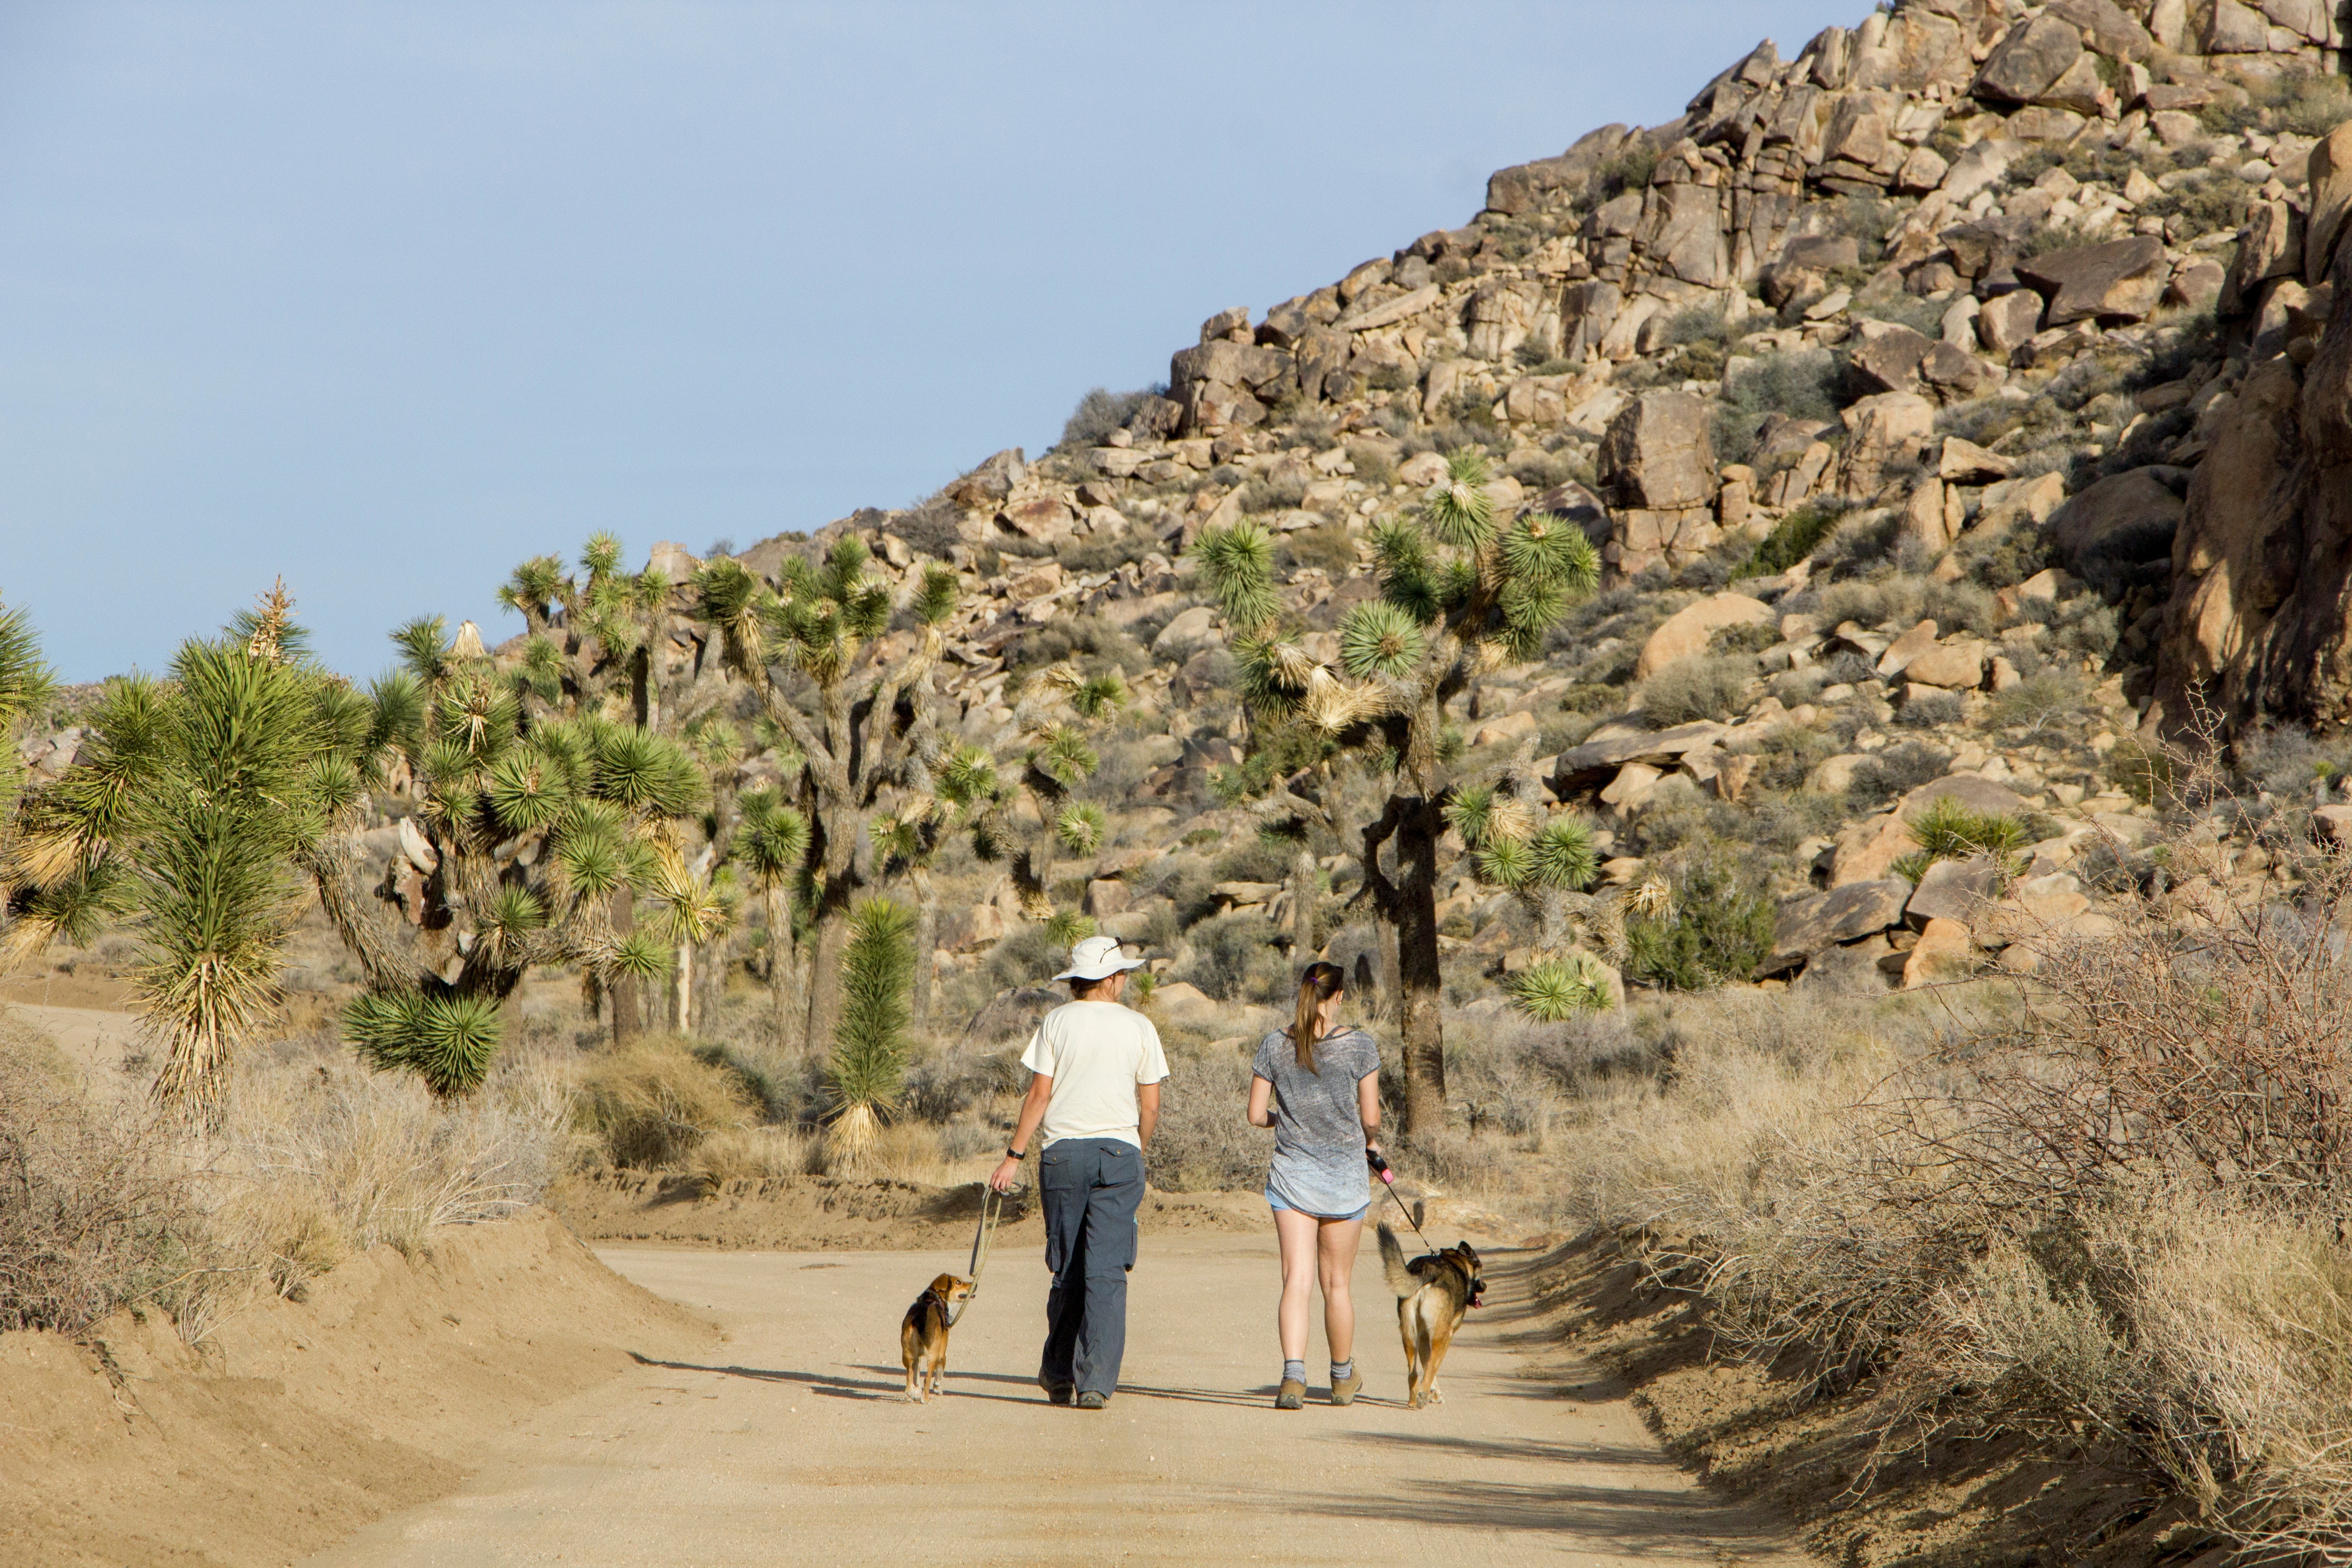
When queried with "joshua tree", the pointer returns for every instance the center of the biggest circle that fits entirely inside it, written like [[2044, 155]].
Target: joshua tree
[[772, 847], [868, 1071], [26, 683], [188, 812], [591, 637], [819, 632], [1061, 713], [1550, 862], [530, 833], [1459, 592]]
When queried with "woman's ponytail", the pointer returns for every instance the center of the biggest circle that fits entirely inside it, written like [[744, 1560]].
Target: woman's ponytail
[[1318, 986]]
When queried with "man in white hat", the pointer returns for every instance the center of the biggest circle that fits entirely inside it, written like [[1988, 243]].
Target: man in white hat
[[1094, 1095]]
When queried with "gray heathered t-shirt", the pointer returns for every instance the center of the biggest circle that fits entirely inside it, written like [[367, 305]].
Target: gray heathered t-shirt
[[1319, 1130]]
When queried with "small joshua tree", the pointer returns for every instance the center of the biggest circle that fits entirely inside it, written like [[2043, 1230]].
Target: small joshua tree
[[868, 1070], [770, 845], [1461, 591], [1549, 863], [1061, 714], [192, 805]]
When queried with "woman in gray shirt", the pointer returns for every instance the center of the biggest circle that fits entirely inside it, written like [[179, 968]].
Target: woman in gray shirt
[[1317, 1086]]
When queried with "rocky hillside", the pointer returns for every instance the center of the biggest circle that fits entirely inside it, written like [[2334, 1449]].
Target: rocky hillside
[[1958, 404]]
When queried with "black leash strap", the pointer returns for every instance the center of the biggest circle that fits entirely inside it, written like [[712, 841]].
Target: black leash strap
[[1379, 1165]]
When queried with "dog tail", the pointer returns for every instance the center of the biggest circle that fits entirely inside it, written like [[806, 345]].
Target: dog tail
[[1393, 1264]]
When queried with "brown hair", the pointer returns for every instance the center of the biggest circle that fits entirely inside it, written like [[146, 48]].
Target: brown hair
[[1318, 984]]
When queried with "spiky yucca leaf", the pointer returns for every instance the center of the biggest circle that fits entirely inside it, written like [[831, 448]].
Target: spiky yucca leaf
[[1551, 990], [1237, 563], [1506, 862], [1563, 853], [1099, 696], [967, 777], [1082, 827], [640, 956], [1545, 547], [514, 914], [526, 792], [935, 597], [1064, 755], [1457, 510], [1380, 641], [1471, 814], [424, 644], [1067, 928], [868, 1063]]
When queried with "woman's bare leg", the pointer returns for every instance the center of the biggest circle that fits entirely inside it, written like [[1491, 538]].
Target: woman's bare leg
[[1336, 1241], [1297, 1232]]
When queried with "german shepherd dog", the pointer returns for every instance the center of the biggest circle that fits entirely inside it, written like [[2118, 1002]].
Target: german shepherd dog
[[923, 1336], [1434, 1293]]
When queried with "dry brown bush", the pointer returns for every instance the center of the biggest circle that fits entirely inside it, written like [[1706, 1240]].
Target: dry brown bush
[[94, 1213], [651, 1104]]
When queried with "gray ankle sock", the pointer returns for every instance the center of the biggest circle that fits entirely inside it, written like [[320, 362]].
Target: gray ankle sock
[[1343, 1369], [1293, 1371]]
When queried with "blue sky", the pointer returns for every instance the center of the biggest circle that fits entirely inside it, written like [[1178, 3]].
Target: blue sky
[[386, 297]]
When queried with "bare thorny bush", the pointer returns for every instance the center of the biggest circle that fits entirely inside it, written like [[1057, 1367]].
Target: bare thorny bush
[[105, 1206], [2104, 1204]]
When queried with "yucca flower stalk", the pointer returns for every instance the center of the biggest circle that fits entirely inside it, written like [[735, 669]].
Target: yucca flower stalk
[[1462, 589]]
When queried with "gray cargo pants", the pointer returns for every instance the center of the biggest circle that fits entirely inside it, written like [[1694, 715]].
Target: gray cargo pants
[[1091, 1187]]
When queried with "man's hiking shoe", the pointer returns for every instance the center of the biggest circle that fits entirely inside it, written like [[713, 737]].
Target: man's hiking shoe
[[1345, 1389], [1090, 1400], [1058, 1393], [1293, 1395]]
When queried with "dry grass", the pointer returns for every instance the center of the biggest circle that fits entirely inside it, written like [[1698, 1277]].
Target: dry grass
[[651, 1105]]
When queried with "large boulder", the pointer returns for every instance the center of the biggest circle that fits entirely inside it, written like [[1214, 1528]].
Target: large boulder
[[1970, 790], [1525, 187], [2119, 529], [1659, 453], [2113, 31], [1812, 921], [2329, 170], [1688, 629], [1885, 357], [2026, 64], [1880, 431], [1954, 891], [2120, 281], [1598, 760]]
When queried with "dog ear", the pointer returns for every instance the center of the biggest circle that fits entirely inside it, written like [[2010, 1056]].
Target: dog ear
[[1420, 1211]]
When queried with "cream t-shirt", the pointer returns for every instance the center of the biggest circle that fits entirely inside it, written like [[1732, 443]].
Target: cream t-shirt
[[1097, 1053]]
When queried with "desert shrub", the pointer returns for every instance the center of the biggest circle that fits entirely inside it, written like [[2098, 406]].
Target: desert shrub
[[1329, 547], [2037, 700], [1236, 958], [1793, 539], [1697, 687], [1895, 771], [2205, 202], [1801, 384], [1928, 709], [1096, 645], [2085, 628], [1543, 472], [1629, 169], [929, 529], [753, 1154], [1100, 412], [92, 1214], [1787, 753], [1949, 830], [649, 1104], [1861, 544], [1959, 607], [1202, 1144], [1373, 465], [2148, 773], [1718, 930], [1274, 492]]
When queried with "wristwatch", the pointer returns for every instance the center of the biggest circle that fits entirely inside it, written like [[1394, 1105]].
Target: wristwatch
[[1012, 1154]]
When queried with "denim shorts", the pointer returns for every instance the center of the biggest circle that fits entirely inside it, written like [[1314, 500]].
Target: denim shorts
[[1273, 1199]]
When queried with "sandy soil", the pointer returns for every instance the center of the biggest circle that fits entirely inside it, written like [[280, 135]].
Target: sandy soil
[[301, 1421], [823, 1213], [794, 1439]]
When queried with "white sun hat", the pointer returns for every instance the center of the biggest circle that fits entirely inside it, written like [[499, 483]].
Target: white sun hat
[[1097, 957]]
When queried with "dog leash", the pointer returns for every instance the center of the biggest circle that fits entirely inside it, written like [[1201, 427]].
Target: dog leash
[[1379, 1165], [992, 1207]]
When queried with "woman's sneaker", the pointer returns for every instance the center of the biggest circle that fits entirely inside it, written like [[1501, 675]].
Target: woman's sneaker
[[1293, 1395], [1345, 1389]]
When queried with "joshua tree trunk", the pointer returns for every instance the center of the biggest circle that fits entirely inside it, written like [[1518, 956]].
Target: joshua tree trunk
[[1303, 943], [621, 993], [927, 936], [684, 1006], [1420, 982]]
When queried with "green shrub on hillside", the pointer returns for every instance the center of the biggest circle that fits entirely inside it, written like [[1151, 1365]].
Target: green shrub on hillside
[[1793, 538], [1697, 687], [1718, 930]]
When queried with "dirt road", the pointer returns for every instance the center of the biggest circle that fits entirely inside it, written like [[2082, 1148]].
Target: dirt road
[[793, 1442]]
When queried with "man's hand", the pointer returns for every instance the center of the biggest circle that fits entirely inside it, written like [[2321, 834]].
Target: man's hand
[[1001, 1177]]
